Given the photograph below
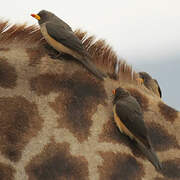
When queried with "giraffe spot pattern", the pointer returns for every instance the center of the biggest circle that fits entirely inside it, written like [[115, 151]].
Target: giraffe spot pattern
[[120, 166], [141, 99], [34, 55], [19, 122], [168, 112], [56, 162], [8, 75], [171, 169], [77, 102], [6, 172], [160, 138], [4, 49], [45, 83]]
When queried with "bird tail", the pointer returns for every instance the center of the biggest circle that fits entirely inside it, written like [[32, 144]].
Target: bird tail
[[92, 68], [150, 154]]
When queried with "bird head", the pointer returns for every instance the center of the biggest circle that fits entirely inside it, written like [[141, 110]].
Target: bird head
[[119, 93], [145, 76], [43, 16]]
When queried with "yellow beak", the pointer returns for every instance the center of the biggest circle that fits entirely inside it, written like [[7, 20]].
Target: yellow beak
[[114, 91], [140, 80], [36, 16]]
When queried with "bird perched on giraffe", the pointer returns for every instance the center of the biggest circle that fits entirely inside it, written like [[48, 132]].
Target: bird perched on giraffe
[[150, 83], [128, 117], [60, 36]]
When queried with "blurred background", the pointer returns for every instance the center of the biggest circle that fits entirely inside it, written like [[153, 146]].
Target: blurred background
[[144, 33]]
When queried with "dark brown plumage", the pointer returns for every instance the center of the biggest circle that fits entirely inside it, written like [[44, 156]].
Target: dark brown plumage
[[61, 37], [129, 119], [150, 83]]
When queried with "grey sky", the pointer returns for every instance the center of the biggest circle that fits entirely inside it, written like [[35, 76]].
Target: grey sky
[[139, 30]]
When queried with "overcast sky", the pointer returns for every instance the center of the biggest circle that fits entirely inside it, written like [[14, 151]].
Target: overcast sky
[[139, 30]]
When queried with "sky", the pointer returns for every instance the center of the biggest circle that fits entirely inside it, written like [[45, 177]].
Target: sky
[[140, 31]]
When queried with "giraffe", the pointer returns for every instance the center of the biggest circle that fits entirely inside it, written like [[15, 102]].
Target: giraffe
[[56, 119]]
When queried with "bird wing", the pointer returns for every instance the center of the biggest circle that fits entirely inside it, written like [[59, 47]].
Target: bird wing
[[70, 40], [159, 89], [131, 116], [65, 37]]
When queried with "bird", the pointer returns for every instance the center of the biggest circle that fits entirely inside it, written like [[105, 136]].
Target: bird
[[150, 83], [128, 117], [60, 36]]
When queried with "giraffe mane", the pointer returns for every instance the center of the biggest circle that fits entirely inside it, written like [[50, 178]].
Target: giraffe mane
[[19, 33], [102, 53], [106, 58]]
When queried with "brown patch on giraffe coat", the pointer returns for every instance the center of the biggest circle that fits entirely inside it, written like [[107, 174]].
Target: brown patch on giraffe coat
[[171, 169], [78, 102], [141, 99], [34, 55], [19, 122], [4, 49], [56, 162], [8, 75], [161, 140], [6, 172], [168, 112], [46, 83], [112, 134], [160, 178], [120, 166]]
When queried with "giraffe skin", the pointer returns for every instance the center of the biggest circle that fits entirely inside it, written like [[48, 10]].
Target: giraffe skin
[[56, 119]]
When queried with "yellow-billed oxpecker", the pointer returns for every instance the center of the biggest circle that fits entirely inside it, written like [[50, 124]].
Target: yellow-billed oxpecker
[[129, 119], [60, 36], [150, 83]]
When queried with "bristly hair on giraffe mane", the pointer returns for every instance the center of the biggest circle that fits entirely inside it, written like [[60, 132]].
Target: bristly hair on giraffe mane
[[102, 54]]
